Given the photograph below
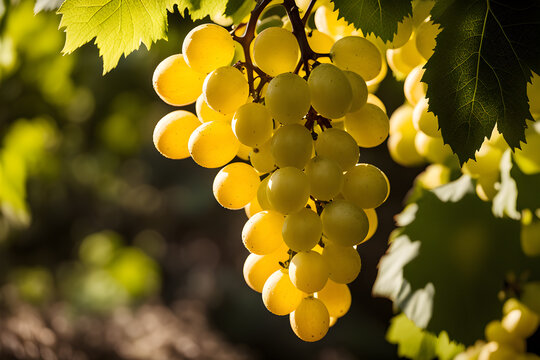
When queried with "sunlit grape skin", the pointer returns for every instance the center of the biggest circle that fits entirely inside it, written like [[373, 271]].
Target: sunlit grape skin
[[310, 321], [172, 132], [236, 185], [330, 91], [288, 98]]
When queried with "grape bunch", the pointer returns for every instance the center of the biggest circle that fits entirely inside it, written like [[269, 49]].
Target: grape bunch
[[506, 338], [291, 103]]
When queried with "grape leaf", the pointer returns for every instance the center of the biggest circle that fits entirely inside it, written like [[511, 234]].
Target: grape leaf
[[504, 203], [379, 17], [46, 5], [239, 9], [478, 75], [119, 26]]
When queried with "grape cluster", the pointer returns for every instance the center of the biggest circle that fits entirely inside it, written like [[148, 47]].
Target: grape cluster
[[506, 338], [294, 104]]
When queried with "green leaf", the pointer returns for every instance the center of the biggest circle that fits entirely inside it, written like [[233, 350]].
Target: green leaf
[[447, 349], [478, 75], [413, 342], [239, 9], [199, 9], [379, 17]]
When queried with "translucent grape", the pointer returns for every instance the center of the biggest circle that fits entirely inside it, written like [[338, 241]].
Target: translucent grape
[[176, 83], [252, 124], [368, 126], [366, 186], [425, 121], [359, 90], [336, 297], [325, 178], [207, 47], [326, 20], [225, 89], [205, 113], [172, 132], [321, 43], [288, 190], [494, 331], [373, 223], [308, 271], [258, 268], [339, 146], [261, 234], [310, 321], [373, 99], [520, 322], [413, 88], [262, 159], [276, 51], [262, 196], [403, 150], [213, 144], [343, 262], [302, 230], [344, 223], [530, 295], [404, 59], [279, 295], [236, 185], [292, 145], [357, 54], [287, 98], [244, 151], [253, 207], [330, 91], [425, 38], [373, 84]]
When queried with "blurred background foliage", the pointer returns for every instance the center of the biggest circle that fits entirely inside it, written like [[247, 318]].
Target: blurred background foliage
[[110, 251]]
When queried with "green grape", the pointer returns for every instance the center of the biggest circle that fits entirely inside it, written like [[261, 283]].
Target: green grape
[[520, 322], [373, 223], [325, 178], [330, 91], [372, 99], [494, 331], [261, 158], [176, 83], [268, 22], [276, 51], [225, 89], [288, 190], [432, 148], [414, 89], [366, 186], [207, 47], [321, 43], [213, 144], [421, 9], [339, 146], [359, 90], [244, 151], [262, 195], [373, 84], [261, 234], [308, 271], [252, 124], [404, 59], [292, 145], [172, 132], [403, 34], [287, 98], [496, 351], [530, 295], [487, 161], [528, 158], [343, 262], [310, 321], [533, 93], [279, 294], [236, 185], [401, 121], [302, 230], [326, 21], [205, 113], [258, 268], [425, 38], [403, 151], [344, 223], [253, 207], [425, 121], [357, 54], [369, 126], [336, 297]]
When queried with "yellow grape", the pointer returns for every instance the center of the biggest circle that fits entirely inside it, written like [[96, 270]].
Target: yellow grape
[[496, 351], [236, 185], [520, 322], [372, 99], [261, 158], [302, 230], [330, 91], [225, 89], [205, 113], [369, 125], [244, 151], [252, 124], [403, 34], [487, 161], [333, 320], [262, 196], [336, 297], [366, 186], [258, 268], [310, 321], [425, 38], [343, 262], [261, 234], [292, 145], [373, 223], [207, 47], [344, 223], [321, 43], [288, 98], [432, 148], [176, 83], [325, 178], [401, 121], [172, 132], [276, 51], [357, 54], [359, 90], [253, 207], [279, 294], [288, 189], [338, 145], [414, 89], [494, 331], [308, 271], [424, 120], [213, 144], [533, 93], [326, 21], [404, 59], [403, 150], [373, 84]]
